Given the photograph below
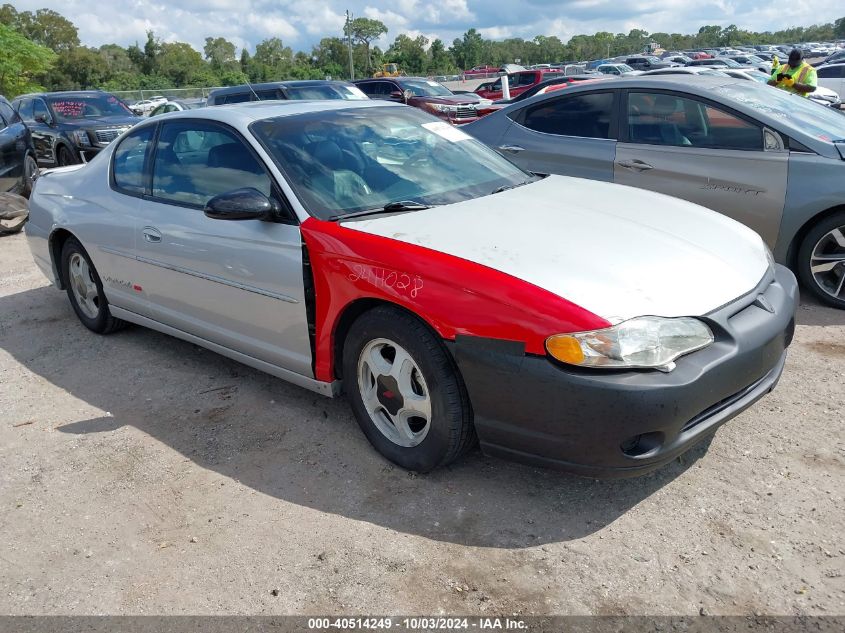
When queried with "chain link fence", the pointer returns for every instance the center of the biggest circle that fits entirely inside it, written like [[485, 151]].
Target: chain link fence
[[170, 93]]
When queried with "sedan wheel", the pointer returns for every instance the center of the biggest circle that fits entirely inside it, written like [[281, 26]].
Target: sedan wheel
[[83, 286], [822, 260], [405, 390], [30, 173], [85, 290], [394, 392]]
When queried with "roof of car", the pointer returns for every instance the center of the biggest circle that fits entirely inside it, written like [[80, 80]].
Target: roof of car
[[246, 113], [63, 93], [276, 84]]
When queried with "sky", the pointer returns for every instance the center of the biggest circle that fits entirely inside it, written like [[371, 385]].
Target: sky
[[302, 23]]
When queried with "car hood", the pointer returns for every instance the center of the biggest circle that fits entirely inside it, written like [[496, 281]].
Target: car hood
[[101, 122], [448, 100], [616, 251]]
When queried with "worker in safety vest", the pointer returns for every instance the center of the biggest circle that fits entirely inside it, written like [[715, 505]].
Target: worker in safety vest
[[795, 76]]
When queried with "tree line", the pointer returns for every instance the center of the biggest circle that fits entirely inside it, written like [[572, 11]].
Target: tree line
[[41, 50]]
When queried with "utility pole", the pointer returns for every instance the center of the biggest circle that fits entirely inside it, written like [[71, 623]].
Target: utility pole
[[349, 44]]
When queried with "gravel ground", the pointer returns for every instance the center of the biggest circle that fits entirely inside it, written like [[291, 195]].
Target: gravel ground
[[144, 475]]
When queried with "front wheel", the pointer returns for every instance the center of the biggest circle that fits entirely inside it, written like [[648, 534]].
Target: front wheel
[[821, 260], [405, 391], [64, 156], [85, 290]]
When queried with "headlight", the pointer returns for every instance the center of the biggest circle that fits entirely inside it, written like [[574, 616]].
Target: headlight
[[80, 137], [642, 342], [440, 107]]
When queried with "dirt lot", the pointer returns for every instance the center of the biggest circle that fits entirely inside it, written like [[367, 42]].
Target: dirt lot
[[142, 475]]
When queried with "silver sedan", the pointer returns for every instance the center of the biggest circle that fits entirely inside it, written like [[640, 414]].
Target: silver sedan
[[774, 161]]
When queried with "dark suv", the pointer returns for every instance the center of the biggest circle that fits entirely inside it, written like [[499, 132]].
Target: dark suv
[[314, 89], [72, 127], [428, 95]]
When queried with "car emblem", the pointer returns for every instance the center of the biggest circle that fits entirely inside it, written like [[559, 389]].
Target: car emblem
[[762, 302]]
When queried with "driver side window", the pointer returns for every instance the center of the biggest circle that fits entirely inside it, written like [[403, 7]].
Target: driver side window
[[195, 161]]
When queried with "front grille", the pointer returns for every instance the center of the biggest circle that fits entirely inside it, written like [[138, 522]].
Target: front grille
[[107, 136], [466, 112]]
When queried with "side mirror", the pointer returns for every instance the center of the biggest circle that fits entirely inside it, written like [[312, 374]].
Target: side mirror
[[397, 94], [240, 204], [41, 118]]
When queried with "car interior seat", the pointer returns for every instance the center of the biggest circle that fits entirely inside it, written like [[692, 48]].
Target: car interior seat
[[336, 176]]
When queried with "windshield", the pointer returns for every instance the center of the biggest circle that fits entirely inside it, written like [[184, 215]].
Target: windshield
[[625, 68], [729, 62], [712, 71], [325, 91], [801, 114], [426, 88], [756, 75], [346, 161], [74, 108]]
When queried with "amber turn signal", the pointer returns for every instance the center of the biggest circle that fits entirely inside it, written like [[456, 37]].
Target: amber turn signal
[[566, 349]]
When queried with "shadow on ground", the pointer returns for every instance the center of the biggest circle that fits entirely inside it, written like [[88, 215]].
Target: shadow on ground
[[288, 443]]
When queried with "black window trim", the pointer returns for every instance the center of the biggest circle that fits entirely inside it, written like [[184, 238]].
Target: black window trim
[[612, 132], [145, 168], [623, 116]]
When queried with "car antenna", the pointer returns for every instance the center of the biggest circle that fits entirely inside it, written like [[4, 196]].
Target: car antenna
[[257, 98]]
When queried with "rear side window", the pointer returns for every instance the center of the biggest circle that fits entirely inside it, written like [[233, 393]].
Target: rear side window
[[8, 114], [238, 97], [585, 115], [269, 95], [25, 109], [130, 157]]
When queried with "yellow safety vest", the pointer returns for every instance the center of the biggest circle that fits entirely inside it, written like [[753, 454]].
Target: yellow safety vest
[[798, 74]]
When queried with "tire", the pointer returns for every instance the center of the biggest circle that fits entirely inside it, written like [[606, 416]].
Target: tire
[[824, 248], [30, 171], [442, 430], [65, 157], [85, 290]]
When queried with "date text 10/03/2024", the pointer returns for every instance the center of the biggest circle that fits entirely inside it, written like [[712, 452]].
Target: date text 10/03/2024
[[418, 624]]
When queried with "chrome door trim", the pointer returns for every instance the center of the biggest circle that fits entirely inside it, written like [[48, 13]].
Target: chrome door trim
[[219, 280], [330, 389], [117, 251]]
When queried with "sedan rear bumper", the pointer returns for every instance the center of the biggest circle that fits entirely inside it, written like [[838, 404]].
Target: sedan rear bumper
[[626, 423]]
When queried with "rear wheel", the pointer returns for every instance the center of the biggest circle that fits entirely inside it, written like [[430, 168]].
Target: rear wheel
[[85, 290], [405, 390], [821, 260]]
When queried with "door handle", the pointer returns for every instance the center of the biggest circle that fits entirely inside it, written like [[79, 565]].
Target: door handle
[[151, 235], [635, 165], [512, 149]]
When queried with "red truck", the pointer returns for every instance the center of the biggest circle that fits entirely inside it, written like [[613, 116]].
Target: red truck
[[481, 70], [519, 82]]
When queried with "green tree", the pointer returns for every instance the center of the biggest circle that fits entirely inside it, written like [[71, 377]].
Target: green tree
[[22, 62], [180, 63], [409, 53], [44, 27], [467, 50], [441, 62], [272, 60], [219, 52], [363, 32]]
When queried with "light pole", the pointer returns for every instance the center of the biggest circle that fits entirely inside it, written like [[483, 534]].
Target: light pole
[[349, 44]]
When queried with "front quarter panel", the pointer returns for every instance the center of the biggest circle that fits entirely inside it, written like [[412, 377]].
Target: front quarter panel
[[454, 296], [816, 184]]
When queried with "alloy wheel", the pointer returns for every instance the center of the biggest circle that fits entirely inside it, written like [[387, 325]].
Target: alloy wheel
[[394, 392], [84, 287], [827, 263]]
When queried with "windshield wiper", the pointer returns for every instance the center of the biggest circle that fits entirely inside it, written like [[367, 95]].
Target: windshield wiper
[[390, 207], [506, 187]]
